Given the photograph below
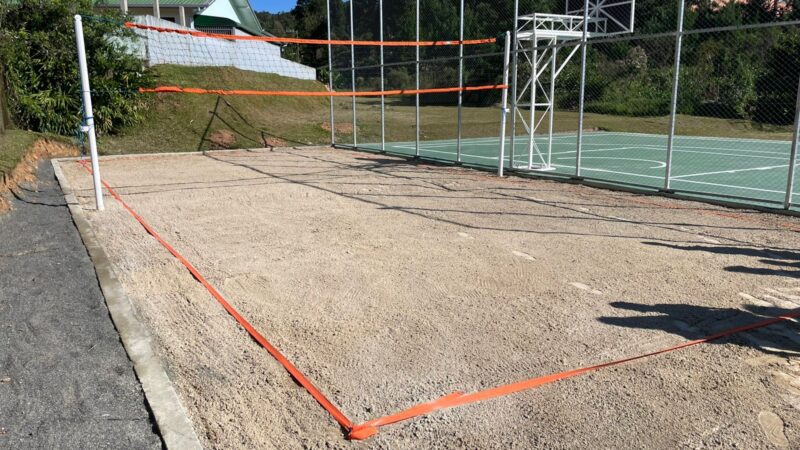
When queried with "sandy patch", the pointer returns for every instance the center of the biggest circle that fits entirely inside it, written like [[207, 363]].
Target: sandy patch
[[390, 284]]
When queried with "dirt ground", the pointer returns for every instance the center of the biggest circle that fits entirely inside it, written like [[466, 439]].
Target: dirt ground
[[390, 283], [25, 171]]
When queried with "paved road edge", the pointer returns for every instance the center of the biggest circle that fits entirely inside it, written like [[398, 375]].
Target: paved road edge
[[173, 423]]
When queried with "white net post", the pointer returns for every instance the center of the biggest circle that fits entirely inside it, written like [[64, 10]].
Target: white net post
[[793, 154], [330, 74], [88, 114], [674, 105], [504, 111]]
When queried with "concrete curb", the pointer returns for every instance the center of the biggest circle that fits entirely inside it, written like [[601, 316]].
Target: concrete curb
[[173, 424]]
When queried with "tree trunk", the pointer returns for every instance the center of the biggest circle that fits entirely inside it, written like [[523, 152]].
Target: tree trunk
[[5, 119]]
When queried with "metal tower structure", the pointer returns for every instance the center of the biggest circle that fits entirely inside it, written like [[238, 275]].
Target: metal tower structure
[[544, 44]]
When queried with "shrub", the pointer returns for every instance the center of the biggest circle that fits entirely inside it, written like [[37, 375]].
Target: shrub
[[777, 86], [37, 49]]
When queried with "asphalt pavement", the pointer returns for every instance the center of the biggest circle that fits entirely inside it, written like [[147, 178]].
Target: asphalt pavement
[[65, 379]]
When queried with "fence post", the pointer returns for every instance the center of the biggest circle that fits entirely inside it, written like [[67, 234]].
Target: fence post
[[416, 139], [674, 105], [330, 74], [504, 112], [383, 82], [793, 154], [87, 112], [353, 73], [514, 87], [460, 78], [582, 89]]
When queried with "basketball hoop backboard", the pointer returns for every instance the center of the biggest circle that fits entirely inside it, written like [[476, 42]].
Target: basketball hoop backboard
[[615, 15]]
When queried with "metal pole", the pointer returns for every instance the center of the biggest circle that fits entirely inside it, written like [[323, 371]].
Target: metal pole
[[533, 88], [793, 157], [156, 9], [123, 6], [582, 95], [552, 103], [504, 112], [416, 140], [330, 74], [353, 73], [88, 112], [383, 86], [514, 88], [674, 104], [460, 78]]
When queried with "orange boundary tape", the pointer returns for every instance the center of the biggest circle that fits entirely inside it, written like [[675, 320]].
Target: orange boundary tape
[[369, 428], [293, 371], [186, 90], [283, 40]]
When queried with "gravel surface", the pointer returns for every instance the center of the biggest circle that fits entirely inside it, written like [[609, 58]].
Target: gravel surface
[[390, 283], [65, 381]]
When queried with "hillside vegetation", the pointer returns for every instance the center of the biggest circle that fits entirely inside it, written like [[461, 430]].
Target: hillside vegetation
[[191, 122]]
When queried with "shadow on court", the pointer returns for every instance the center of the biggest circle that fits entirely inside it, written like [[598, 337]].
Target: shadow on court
[[696, 322], [785, 263], [444, 188]]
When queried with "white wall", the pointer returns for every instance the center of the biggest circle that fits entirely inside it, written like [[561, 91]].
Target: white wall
[[173, 48]]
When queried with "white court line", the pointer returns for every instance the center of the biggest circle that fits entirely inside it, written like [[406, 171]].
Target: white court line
[[634, 175], [486, 142], [732, 187], [611, 171], [597, 150], [700, 138], [660, 164], [682, 181], [721, 148], [729, 171], [678, 149]]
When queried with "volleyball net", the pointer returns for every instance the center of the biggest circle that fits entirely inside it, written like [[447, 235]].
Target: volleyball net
[[371, 91]]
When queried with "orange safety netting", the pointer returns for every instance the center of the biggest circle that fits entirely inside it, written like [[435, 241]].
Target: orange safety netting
[[283, 40], [369, 428], [185, 90]]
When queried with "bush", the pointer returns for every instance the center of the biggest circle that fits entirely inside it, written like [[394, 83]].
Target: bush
[[647, 93], [777, 86], [37, 49]]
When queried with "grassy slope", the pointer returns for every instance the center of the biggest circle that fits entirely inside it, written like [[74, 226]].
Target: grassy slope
[[13, 145], [183, 122]]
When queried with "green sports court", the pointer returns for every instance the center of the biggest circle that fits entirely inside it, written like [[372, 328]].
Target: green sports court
[[753, 171]]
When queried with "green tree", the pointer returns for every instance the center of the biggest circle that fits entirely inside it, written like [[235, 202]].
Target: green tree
[[777, 86], [37, 49]]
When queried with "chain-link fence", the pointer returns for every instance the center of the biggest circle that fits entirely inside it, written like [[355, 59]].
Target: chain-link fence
[[699, 98]]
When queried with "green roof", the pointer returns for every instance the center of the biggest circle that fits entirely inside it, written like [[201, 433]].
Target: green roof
[[245, 15]]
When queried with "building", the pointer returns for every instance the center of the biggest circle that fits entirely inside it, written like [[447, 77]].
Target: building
[[235, 17], [228, 17]]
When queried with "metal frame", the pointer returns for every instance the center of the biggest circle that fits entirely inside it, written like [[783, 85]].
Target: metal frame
[[543, 35]]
